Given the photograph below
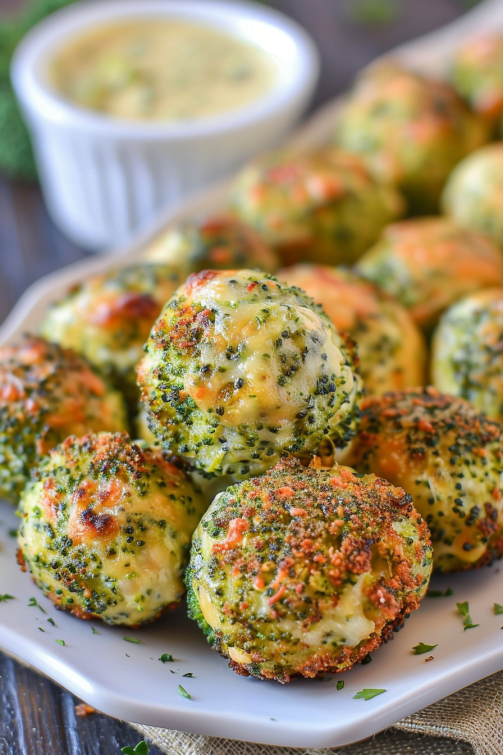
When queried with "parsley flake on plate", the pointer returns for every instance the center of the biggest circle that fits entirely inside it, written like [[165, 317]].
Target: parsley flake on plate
[[32, 602], [183, 692], [464, 610], [132, 639], [421, 648], [4, 598], [166, 658], [368, 694], [51, 621], [498, 609], [61, 642], [95, 631]]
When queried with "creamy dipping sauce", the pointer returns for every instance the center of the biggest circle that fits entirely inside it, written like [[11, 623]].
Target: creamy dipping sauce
[[162, 69]]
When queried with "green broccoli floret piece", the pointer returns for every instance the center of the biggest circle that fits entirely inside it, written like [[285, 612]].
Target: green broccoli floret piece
[[39, 9], [194, 609], [16, 152]]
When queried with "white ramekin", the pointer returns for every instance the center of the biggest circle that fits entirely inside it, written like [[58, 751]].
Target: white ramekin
[[104, 178]]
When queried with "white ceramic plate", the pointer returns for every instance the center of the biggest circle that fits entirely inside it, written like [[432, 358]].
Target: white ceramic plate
[[128, 680]]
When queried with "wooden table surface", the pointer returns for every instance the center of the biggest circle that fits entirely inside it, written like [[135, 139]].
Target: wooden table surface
[[38, 717]]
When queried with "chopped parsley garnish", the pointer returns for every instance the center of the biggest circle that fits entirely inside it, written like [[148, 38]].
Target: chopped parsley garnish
[[51, 621], [498, 609], [190, 674], [464, 610], [33, 602], [368, 694], [367, 659], [41, 630], [340, 684], [4, 598], [166, 658], [439, 593], [61, 642], [95, 631], [421, 648], [183, 692], [141, 748], [12, 533], [132, 639]]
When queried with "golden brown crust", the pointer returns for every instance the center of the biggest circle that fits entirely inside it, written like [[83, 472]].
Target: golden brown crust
[[282, 562], [450, 459]]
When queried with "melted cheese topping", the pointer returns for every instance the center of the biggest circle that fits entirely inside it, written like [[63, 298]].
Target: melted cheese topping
[[258, 368], [261, 375], [346, 624], [466, 351], [391, 349], [447, 457], [131, 543], [108, 317], [429, 263], [238, 319]]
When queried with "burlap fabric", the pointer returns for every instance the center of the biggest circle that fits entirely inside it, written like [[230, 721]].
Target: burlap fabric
[[470, 722]]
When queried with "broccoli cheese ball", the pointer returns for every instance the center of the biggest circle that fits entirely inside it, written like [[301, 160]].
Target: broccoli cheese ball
[[477, 74], [429, 263], [322, 206], [450, 459], [391, 349], [240, 370], [108, 318], [305, 571], [411, 131], [105, 529], [473, 195], [467, 354], [46, 394], [217, 243]]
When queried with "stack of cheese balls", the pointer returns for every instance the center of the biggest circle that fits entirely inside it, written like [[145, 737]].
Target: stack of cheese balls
[[275, 363]]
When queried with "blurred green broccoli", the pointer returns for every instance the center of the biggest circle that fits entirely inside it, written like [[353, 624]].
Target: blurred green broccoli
[[373, 12], [16, 153]]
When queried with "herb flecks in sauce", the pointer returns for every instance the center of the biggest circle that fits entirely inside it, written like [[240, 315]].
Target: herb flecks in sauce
[[162, 70]]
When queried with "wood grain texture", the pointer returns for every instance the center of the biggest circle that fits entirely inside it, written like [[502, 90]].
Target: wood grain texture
[[38, 717]]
